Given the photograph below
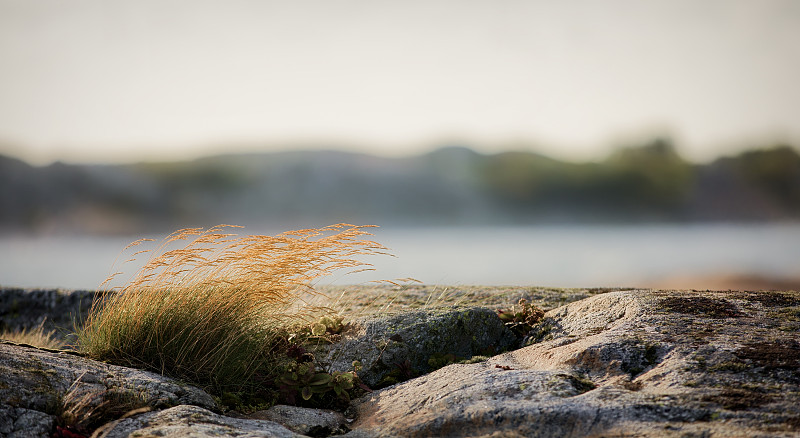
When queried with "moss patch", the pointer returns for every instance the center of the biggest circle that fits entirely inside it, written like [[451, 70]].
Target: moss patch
[[704, 306], [773, 299], [581, 383], [739, 399], [772, 355]]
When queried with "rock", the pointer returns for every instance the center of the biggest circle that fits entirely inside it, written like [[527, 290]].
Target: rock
[[408, 344], [43, 388], [194, 422], [635, 363], [305, 421], [638, 363], [24, 423]]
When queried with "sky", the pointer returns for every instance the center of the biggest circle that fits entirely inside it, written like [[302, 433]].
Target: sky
[[116, 81]]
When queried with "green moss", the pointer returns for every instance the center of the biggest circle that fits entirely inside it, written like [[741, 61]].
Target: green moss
[[633, 386], [640, 355], [787, 314], [633, 371], [39, 371], [230, 400], [581, 383], [400, 373], [540, 333], [772, 355], [474, 359], [245, 402], [731, 365], [703, 306], [700, 361], [43, 376], [440, 360], [651, 354], [735, 399], [774, 298]]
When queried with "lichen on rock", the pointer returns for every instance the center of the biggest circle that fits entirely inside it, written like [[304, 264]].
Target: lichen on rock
[[384, 344]]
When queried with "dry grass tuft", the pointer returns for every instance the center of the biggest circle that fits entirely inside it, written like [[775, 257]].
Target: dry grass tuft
[[36, 337], [84, 409], [214, 311]]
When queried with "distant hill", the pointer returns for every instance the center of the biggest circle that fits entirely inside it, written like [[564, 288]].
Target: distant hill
[[452, 185]]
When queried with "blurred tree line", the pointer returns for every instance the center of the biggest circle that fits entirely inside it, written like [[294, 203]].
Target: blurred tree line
[[647, 182], [453, 185]]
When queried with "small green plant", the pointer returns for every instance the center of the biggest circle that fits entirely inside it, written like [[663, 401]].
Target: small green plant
[[303, 384], [326, 329], [440, 360], [303, 379], [521, 318], [401, 372], [342, 383], [333, 324]]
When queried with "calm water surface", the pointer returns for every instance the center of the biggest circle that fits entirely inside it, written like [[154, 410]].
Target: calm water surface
[[569, 256]]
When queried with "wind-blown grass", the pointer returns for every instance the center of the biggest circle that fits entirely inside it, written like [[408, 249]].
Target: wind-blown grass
[[215, 311]]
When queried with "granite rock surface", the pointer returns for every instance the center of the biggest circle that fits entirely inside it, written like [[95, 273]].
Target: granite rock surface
[[410, 343], [635, 363]]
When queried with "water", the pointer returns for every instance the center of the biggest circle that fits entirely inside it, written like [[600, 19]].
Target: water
[[568, 256]]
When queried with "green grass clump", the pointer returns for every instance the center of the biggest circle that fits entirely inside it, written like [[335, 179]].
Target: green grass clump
[[217, 312]]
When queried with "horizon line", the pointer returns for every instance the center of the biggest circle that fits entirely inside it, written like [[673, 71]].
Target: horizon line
[[215, 149]]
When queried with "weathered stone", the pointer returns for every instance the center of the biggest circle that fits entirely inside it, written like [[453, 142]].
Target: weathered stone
[[42, 384], [24, 423], [194, 422], [305, 421], [408, 341], [621, 363], [631, 363]]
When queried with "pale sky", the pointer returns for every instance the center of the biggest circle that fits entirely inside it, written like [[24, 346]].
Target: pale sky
[[108, 80]]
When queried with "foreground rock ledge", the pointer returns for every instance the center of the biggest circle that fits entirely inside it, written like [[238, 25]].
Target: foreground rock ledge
[[638, 363], [626, 363]]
